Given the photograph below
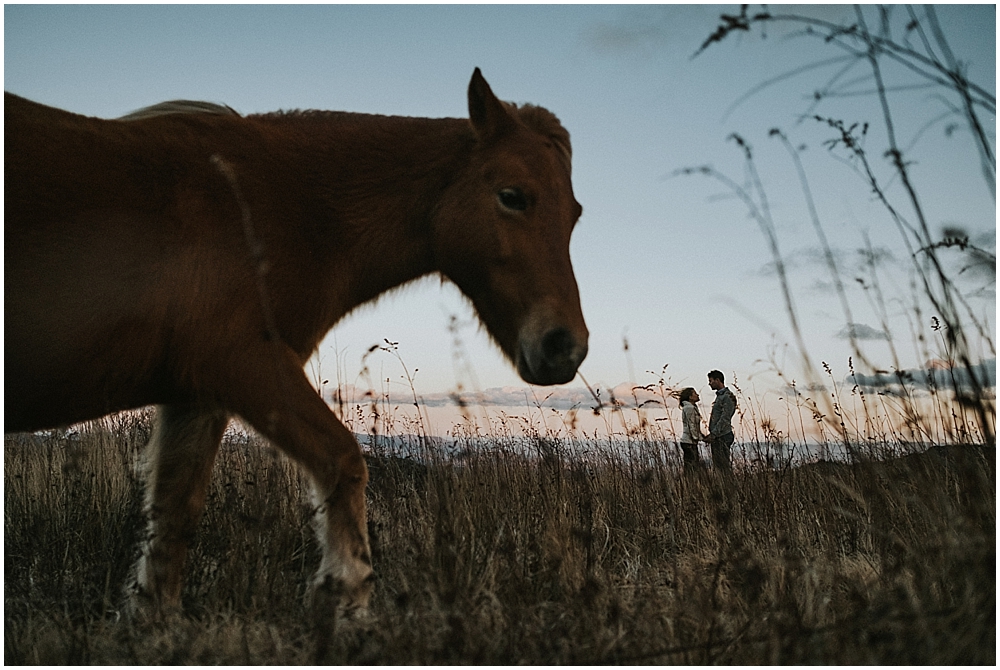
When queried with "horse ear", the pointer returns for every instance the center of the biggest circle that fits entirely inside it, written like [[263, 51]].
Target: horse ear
[[489, 116]]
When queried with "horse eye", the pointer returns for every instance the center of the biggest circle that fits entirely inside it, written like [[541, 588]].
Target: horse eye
[[513, 199]]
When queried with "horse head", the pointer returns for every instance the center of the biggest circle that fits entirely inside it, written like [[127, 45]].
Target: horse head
[[502, 236]]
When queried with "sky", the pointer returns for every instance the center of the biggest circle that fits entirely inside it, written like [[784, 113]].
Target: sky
[[671, 264]]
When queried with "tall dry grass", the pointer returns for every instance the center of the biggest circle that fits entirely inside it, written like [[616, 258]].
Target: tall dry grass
[[881, 52], [502, 557]]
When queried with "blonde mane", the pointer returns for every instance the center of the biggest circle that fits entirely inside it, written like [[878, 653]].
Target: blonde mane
[[178, 107]]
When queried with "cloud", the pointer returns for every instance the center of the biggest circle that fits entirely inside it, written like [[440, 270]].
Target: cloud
[[626, 395], [804, 389], [875, 257], [770, 268], [624, 36], [514, 396], [821, 286], [847, 262], [648, 29], [936, 375], [974, 257], [860, 331], [806, 258]]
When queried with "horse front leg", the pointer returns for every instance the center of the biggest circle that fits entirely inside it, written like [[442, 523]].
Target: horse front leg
[[178, 464], [345, 577], [271, 392]]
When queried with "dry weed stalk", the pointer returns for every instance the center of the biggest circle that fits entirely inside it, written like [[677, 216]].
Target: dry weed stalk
[[955, 320]]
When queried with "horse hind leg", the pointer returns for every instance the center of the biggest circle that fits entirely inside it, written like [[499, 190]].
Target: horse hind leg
[[178, 467]]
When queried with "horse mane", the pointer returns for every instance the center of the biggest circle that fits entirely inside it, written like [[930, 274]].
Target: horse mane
[[306, 113], [536, 118], [546, 123], [178, 107]]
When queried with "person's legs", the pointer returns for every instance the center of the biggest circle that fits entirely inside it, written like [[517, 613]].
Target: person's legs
[[690, 452], [721, 449]]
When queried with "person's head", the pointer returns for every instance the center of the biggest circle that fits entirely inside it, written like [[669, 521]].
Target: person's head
[[688, 395], [716, 380]]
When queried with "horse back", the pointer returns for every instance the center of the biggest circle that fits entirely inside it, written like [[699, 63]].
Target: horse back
[[121, 247]]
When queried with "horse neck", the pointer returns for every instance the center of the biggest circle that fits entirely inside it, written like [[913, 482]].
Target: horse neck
[[375, 183]]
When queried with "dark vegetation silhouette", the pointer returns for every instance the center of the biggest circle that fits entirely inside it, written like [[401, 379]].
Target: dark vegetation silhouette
[[909, 39]]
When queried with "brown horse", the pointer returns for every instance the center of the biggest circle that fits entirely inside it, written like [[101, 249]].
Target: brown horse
[[192, 258]]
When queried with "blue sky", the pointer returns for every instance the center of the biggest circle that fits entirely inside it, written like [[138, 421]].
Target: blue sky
[[669, 263]]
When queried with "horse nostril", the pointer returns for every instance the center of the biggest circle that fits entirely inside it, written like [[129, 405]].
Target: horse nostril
[[551, 359], [557, 345]]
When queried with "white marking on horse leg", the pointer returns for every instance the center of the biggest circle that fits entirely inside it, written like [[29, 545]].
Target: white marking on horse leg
[[345, 577], [270, 391], [178, 467]]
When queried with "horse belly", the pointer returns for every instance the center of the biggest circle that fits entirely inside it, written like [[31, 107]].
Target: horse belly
[[72, 353], [81, 332]]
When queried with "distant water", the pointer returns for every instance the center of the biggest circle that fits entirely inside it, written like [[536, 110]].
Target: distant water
[[588, 449], [427, 449]]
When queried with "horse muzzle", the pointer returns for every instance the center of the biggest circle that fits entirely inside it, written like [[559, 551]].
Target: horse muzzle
[[551, 358]]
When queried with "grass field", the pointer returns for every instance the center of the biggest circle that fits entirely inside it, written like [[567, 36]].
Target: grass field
[[502, 558]]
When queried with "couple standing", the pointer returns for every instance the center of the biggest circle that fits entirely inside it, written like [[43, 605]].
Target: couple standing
[[720, 426]]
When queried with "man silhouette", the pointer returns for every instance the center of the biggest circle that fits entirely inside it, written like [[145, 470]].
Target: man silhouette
[[720, 427]]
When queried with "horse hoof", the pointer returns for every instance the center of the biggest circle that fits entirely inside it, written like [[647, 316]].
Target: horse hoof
[[331, 598]]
